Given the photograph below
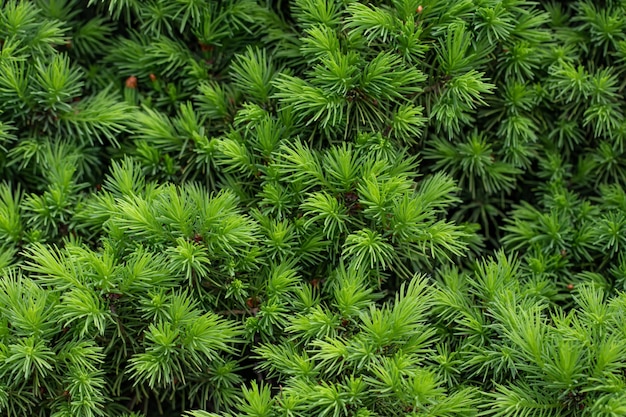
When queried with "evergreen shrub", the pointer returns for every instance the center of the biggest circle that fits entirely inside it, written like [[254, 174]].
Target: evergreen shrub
[[327, 208]]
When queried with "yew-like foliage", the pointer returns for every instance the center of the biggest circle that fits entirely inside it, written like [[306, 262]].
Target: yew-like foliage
[[312, 208]]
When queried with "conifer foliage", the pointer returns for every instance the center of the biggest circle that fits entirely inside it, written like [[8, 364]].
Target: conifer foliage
[[312, 208]]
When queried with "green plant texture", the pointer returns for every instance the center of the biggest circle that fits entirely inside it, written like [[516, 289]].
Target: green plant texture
[[333, 208]]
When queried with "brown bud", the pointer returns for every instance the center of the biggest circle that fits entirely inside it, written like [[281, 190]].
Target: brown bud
[[153, 77], [131, 82], [570, 286], [351, 197], [419, 9]]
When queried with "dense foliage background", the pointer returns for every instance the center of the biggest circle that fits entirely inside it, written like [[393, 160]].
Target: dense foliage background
[[312, 208]]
